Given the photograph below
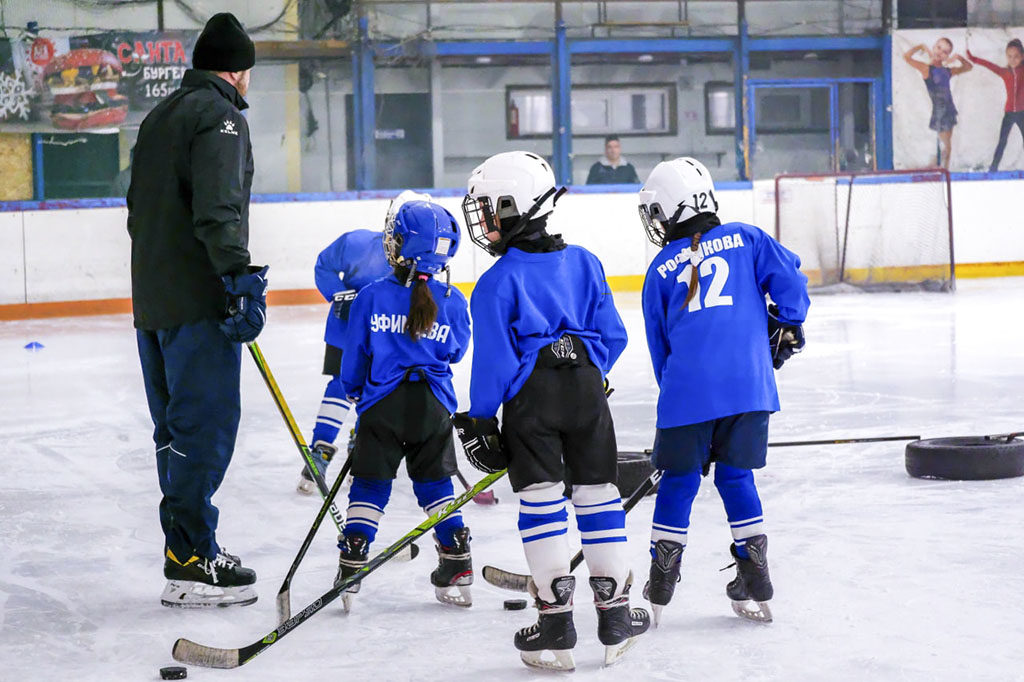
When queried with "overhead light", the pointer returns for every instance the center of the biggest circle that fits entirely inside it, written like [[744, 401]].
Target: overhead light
[[483, 60], [645, 58], [810, 55]]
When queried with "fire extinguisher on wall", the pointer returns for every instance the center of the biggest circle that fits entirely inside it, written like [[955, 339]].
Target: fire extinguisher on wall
[[513, 119]]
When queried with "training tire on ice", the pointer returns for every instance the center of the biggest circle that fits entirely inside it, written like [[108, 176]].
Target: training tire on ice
[[967, 458], [634, 469]]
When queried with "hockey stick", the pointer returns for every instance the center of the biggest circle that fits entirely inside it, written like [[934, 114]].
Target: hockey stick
[[284, 602], [517, 582], [191, 653], [483, 498], [841, 441], [296, 434]]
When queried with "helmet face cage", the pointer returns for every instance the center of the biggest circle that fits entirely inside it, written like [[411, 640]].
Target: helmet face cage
[[480, 220], [392, 243], [654, 220]]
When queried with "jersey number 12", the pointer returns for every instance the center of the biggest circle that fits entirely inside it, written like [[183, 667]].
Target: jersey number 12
[[714, 297]]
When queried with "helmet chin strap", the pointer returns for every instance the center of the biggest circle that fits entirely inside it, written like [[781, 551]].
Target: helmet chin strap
[[502, 244]]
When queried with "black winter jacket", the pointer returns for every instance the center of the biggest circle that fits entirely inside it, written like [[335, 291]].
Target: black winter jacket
[[188, 203]]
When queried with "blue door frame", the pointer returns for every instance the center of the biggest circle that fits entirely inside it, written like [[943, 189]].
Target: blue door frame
[[877, 106]]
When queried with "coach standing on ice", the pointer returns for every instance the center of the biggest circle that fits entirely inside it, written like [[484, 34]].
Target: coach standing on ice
[[195, 298]]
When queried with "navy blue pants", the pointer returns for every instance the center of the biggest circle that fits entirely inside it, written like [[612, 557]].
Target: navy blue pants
[[740, 441], [192, 375]]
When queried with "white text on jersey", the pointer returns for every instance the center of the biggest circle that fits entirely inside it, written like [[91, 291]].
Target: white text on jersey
[[711, 246], [395, 324]]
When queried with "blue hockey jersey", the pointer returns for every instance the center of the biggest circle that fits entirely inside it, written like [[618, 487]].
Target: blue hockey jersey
[[352, 261], [379, 353], [525, 302], [712, 359]]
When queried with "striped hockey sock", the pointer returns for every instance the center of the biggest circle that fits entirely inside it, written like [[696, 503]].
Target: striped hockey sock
[[366, 502], [672, 507], [602, 524], [543, 525], [334, 409], [742, 504], [432, 495]]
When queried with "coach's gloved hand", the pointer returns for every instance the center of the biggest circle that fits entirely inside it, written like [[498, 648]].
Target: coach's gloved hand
[[246, 304], [783, 339], [481, 440], [342, 303]]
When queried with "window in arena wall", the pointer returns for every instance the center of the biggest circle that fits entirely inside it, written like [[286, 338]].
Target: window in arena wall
[[640, 109]]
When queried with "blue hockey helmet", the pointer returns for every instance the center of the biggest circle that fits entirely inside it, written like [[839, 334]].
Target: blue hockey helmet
[[422, 237]]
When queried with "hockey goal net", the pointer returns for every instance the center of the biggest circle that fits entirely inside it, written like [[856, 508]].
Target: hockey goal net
[[880, 230]]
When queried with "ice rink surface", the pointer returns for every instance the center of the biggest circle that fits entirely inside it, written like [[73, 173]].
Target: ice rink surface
[[877, 576]]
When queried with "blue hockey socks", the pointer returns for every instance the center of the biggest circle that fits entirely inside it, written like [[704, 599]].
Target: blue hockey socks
[[742, 505], [366, 502], [676, 493], [432, 496]]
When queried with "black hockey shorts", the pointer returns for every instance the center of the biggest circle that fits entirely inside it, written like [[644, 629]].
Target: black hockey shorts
[[560, 420], [740, 440], [332, 360], [411, 423]]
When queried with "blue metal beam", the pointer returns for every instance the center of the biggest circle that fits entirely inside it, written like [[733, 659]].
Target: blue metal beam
[[561, 107], [741, 68], [38, 184], [884, 147], [797, 43], [364, 110], [427, 48], [647, 46]]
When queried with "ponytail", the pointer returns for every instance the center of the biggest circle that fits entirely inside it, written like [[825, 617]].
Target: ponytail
[[694, 278], [422, 308]]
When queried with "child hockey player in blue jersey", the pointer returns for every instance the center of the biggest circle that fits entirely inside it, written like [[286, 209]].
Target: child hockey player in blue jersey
[[404, 332], [713, 345], [546, 332], [352, 261]]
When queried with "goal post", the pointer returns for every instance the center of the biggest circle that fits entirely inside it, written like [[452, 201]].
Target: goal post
[[870, 230]]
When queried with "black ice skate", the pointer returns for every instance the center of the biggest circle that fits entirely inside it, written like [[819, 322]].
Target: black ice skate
[[751, 589], [200, 582], [663, 577], [618, 626], [323, 453], [553, 631], [354, 551], [454, 573]]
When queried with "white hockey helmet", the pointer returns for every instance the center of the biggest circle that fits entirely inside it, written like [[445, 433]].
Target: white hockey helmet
[[675, 191], [404, 197], [507, 185]]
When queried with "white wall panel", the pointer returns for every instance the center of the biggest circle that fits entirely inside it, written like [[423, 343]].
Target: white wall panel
[[12, 259]]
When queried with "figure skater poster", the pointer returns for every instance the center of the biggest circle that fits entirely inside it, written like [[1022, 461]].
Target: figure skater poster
[[958, 99]]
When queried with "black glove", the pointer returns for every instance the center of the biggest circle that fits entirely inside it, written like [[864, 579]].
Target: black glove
[[783, 339], [481, 440], [342, 303], [246, 305]]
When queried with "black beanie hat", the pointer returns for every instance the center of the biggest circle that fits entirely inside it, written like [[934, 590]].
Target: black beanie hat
[[223, 46]]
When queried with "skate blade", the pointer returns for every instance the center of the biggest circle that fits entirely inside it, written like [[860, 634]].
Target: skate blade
[[562, 661], [347, 599], [184, 594], [614, 652], [755, 611], [455, 595], [305, 487], [656, 613]]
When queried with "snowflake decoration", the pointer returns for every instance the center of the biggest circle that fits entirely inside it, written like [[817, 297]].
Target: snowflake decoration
[[14, 97]]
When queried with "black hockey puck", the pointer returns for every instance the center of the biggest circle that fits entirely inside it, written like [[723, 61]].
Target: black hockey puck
[[515, 604], [173, 672]]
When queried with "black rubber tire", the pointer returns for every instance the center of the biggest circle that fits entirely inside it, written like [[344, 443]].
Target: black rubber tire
[[968, 458], [634, 469]]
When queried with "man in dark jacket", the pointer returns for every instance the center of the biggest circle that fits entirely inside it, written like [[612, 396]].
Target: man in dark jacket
[[612, 169], [195, 298]]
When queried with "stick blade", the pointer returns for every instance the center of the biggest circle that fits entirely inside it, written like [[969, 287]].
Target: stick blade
[[188, 652], [507, 580], [284, 605]]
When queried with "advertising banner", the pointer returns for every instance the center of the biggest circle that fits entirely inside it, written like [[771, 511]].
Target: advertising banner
[[93, 82], [958, 98]]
